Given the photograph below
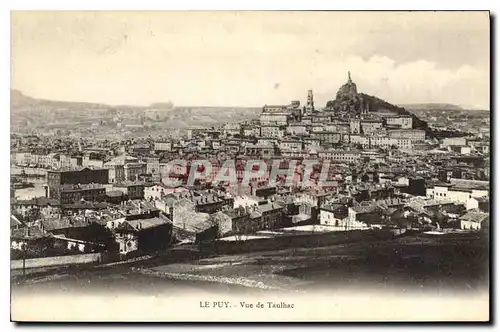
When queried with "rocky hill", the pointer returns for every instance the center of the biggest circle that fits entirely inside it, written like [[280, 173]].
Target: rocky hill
[[347, 99], [350, 102]]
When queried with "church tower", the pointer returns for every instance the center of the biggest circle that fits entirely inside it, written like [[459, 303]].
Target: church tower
[[310, 102]]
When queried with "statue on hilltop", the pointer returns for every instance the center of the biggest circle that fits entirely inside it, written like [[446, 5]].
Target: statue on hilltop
[[347, 98]]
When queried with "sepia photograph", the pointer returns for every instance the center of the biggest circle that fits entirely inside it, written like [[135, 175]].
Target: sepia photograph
[[250, 166]]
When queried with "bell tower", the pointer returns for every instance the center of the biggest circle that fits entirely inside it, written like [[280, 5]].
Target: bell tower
[[310, 102]]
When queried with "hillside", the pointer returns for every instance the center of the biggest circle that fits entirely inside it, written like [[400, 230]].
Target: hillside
[[350, 103], [377, 104], [46, 115], [167, 105], [20, 101], [433, 107]]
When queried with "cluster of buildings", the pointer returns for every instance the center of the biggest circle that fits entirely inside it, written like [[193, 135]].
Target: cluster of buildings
[[383, 173]]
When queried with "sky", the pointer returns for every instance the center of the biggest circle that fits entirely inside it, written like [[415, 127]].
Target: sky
[[250, 58]]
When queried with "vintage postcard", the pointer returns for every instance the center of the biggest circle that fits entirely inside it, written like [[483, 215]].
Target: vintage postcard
[[284, 166]]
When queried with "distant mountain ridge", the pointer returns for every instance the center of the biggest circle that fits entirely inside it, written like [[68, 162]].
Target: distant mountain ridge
[[164, 115], [433, 106], [168, 104], [20, 100], [17, 98]]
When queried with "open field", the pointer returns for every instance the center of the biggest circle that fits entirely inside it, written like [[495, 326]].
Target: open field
[[413, 264]]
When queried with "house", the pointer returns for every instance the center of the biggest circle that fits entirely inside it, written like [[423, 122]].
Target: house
[[29, 242], [162, 146], [208, 203], [454, 141], [115, 222], [422, 205], [240, 219], [274, 131], [340, 155], [67, 194], [429, 210], [224, 222], [474, 220], [124, 167], [76, 245], [297, 129], [144, 235], [259, 150], [263, 192], [246, 200], [82, 206], [334, 215], [15, 223], [48, 207], [188, 225], [290, 144], [154, 191], [85, 175], [413, 186], [115, 196], [132, 189], [327, 137], [274, 114], [137, 209], [459, 190], [266, 141], [250, 131], [370, 126], [271, 214], [93, 234], [232, 129], [400, 121], [253, 218], [362, 215], [480, 203]]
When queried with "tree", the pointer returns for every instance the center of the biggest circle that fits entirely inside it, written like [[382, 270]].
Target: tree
[[242, 227], [241, 233], [440, 219], [402, 222], [32, 215], [216, 221]]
